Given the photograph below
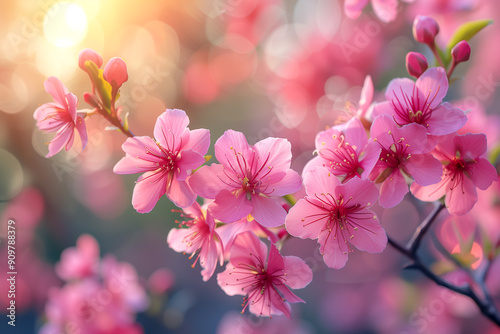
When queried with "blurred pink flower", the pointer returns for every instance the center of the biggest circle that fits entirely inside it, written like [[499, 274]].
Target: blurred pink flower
[[405, 154], [166, 160], [421, 102], [265, 285], [199, 236], [80, 261], [60, 117], [248, 180], [102, 302], [341, 209], [386, 10], [236, 323], [465, 169], [161, 281], [345, 151]]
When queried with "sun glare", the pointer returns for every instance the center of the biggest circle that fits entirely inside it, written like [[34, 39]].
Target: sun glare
[[65, 24]]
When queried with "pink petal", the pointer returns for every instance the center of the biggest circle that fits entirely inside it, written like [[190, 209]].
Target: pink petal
[[470, 145], [175, 240], [397, 88], [384, 108], [199, 141], [275, 260], [462, 198], [363, 191], [229, 208], [353, 8], [425, 169], [189, 160], [429, 193], [267, 211], [208, 260], [227, 282], [445, 119], [207, 181], [248, 248], [366, 96], [287, 294], [277, 152], [299, 275], [317, 161], [334, 251], [319, 181], [370, 236], [62, 138], [228, 145], [386, 10], [369, 158], [180, 193], [305, 220], [393, 190], [72, 103], [290, 184], [433, 83], [483, 173], [82, 131], [147, 191], [69, 143], [54, 87], [136, 159], [170, 127]]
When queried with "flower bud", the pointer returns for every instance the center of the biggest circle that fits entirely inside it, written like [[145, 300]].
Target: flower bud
[[425, 29], [88, 54], [115, 72], [416, 64], [460, 52], [91, 100]]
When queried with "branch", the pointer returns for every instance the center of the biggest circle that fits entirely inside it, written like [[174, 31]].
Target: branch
[[486, 305]]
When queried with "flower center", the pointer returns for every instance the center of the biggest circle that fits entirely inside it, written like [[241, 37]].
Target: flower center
[[343, 160]]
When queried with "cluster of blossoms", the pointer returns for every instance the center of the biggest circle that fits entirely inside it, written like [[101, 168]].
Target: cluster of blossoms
[[100, 295], [408, 142]]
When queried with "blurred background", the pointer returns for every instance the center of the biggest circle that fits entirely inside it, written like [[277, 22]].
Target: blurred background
[[280, 68]]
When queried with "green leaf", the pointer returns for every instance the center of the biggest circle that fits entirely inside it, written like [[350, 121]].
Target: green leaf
[[466, 31]]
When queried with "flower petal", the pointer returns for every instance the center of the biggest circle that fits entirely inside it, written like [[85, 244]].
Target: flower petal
[[229, 208], [370, 236], [462, 198], [393, 190], [62, 138], [180, 193], [208, 181], [82, 131], [433, 84], [171, 128], [299, 275], [483, 173], [188, 161], [55, 87], [305, 220], [136, 159], [425, 169], [147, 191], [230, 147], [445, 120], [334, 251], [199, 141], [353, 8], [267, 211], [290, 184], [431, 192]]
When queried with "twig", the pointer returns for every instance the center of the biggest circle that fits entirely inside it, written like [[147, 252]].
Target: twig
[[486, 305]]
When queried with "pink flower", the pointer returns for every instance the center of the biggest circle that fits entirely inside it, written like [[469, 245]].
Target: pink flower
[[249, 179], [420, 102], [166, 160], [89, 55], [405, 154], [265, 285], [115, 72], [386, 10], [80, 261], [465, 169], [460, 52], [336, 214], [199, 236], [60, 117], [345, 151]]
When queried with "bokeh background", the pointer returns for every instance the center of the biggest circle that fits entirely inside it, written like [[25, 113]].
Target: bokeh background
[[281, 68]]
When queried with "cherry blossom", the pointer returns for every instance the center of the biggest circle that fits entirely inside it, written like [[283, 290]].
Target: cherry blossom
[[405, 155], [337, 215], [266, 285], [465, 169], [60, 117], [248, 180], [199, 236], [421, 102], [166, 161]]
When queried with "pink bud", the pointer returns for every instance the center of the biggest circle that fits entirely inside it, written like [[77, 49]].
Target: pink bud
[[425, 29], [88, 54], [91, 100], [416, 64], [460, 52], [115, 72]]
